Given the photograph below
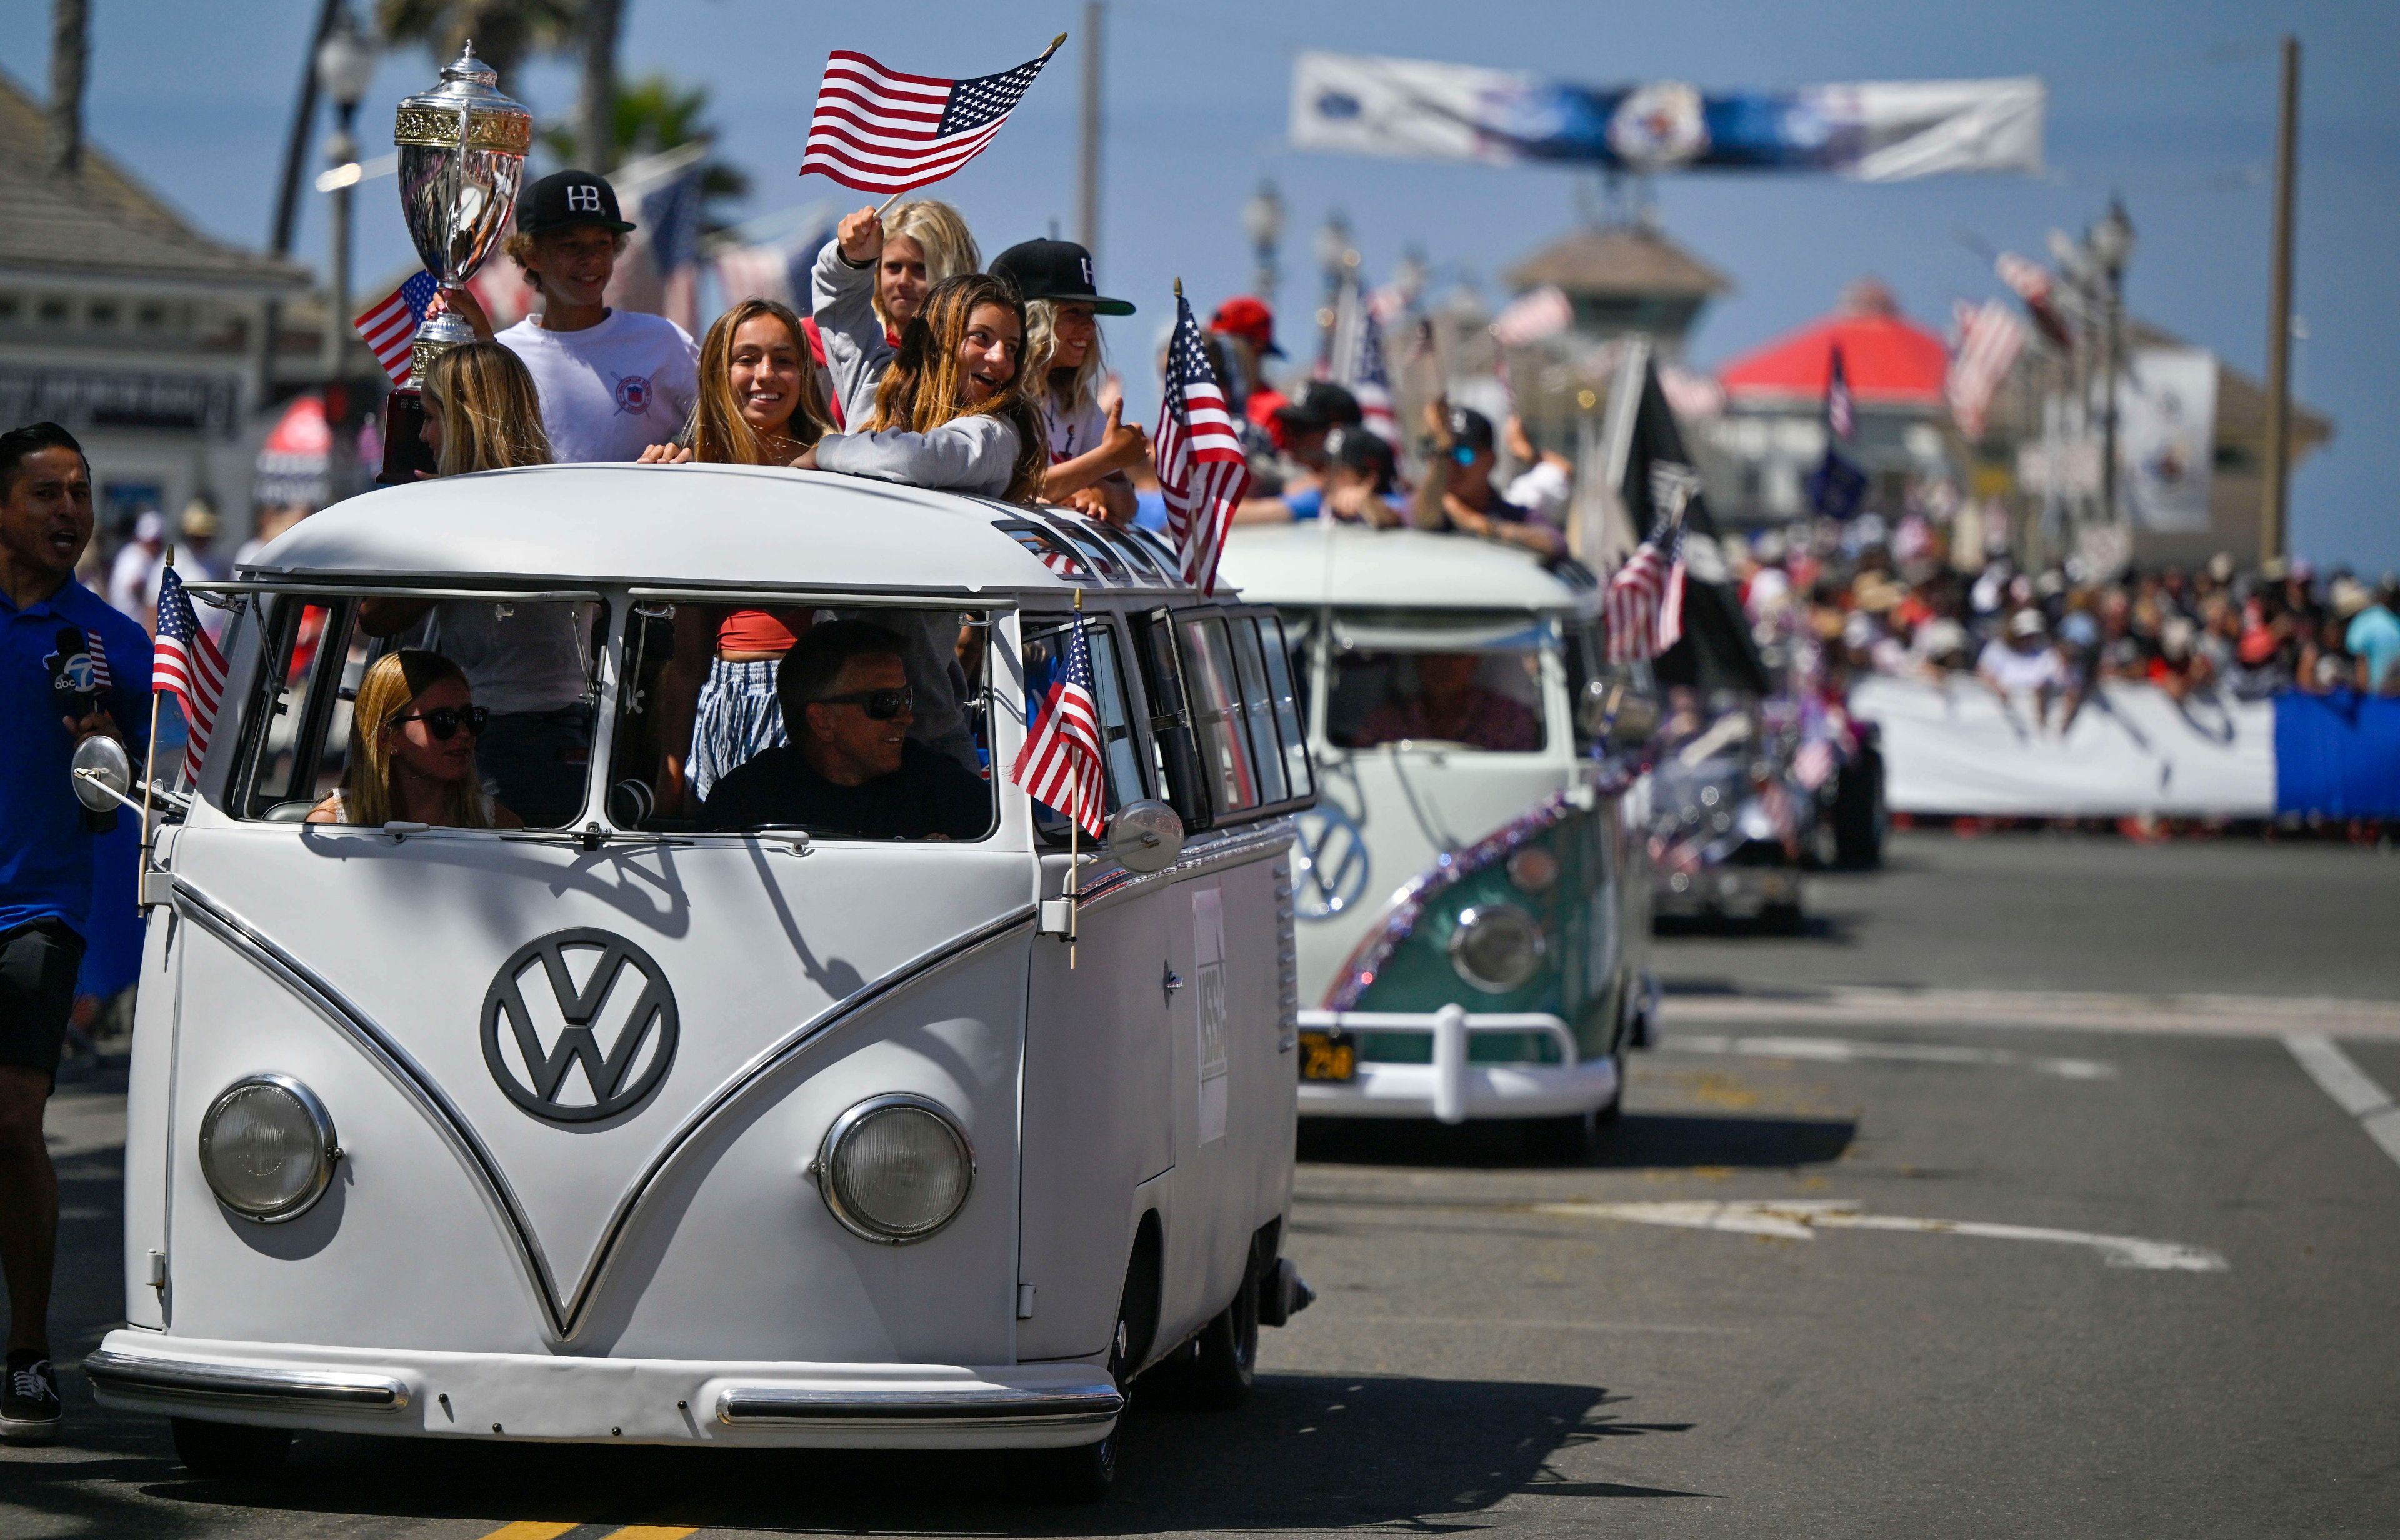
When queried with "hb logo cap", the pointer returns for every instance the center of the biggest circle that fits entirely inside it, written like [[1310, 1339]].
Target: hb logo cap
[[565, 199]]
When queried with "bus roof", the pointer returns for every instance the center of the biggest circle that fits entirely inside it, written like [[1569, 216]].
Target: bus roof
[[709, 526], [1320, 563]]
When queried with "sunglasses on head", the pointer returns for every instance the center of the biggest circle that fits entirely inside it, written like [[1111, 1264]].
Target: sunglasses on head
[[881, 705], [444, 722]]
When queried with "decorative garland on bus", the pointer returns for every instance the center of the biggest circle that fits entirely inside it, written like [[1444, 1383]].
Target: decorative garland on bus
[[1409, 906]]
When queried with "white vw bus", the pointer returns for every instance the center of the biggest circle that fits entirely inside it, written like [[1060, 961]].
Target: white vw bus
[[624, 1129], [1472, 887]]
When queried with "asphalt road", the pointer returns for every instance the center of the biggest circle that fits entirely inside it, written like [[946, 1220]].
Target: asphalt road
[[1916, 1266]]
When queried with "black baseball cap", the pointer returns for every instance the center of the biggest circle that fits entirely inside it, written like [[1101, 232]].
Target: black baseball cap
[[566, 199], [1054, 270], [1363, 450], [1470, 429], [1323, 404]]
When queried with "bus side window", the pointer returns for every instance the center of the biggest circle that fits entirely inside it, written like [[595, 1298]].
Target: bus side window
[[1258, 708], [1288, 704], [1170, 721], [1045, 641], [1216, 714]]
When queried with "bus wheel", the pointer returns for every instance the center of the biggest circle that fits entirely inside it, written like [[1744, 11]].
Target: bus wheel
[[229, 1450], [1084, 1472], [1226, 1359]]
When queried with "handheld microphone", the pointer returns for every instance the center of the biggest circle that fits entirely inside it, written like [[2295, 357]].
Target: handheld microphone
[[74, 684]]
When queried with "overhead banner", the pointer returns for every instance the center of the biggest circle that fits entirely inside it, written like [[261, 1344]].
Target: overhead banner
[[2166, 437], [1875, 132]]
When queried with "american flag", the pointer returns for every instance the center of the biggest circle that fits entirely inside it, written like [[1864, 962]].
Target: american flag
[[1529, 318], [1361, 368], [1841, 409], [1062, 767], [1644, 607], [188, 665], [1201, 471], [881, 132], [1990, 336], [100, 678], [390, 328]]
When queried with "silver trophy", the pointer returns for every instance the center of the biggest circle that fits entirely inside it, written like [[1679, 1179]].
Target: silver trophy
[[462, 149]]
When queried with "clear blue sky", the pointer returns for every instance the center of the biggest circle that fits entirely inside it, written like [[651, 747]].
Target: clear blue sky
[[2171, 104]]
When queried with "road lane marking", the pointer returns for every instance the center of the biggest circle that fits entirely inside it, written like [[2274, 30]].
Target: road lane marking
[[1530, 1326], [529, 1529], [2177, 1015], [1833, 1050], [2339, 1077], [1800, 1218]]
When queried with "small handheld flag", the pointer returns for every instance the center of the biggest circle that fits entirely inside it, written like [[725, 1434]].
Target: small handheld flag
[[389, 329], [881, 132], [1645, 607], [1062, 767], [188, 665], [1202, 472]]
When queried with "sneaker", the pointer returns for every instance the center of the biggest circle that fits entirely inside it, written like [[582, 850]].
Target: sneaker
[[28, 1402]]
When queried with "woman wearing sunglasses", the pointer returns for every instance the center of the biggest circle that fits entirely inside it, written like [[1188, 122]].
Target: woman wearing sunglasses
[[525, 660], [759, 405], [412, 731]]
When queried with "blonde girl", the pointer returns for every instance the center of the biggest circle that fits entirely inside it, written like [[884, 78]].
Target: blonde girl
[[870, 282], [412, 733]]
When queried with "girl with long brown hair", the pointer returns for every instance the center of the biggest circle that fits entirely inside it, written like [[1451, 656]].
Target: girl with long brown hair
[[870, 282], [759, 405], [412, 733], [956, 410]]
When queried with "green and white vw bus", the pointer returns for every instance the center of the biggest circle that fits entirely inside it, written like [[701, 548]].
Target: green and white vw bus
[[1472, 887]]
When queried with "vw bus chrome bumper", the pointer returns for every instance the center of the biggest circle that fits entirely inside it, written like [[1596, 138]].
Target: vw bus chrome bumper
[[1450, 1088], [643, 1400]]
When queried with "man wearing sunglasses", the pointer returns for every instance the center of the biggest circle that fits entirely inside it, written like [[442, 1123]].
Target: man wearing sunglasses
[[1457, 493], [850, 768]]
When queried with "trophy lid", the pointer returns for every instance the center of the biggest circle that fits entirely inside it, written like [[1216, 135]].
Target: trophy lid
[[496, 121]]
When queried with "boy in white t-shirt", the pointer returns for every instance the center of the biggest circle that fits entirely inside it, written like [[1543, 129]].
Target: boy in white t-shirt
[[612, 382]]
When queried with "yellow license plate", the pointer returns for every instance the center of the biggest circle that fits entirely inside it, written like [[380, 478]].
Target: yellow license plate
[[1328, 1056]]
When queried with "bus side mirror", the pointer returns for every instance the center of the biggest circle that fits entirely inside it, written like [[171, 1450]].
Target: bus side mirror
[[1146, 835], [102, 773]]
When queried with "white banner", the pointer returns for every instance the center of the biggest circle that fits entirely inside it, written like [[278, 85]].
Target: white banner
[[1958, 748], [1874, 131], [2166, 437]]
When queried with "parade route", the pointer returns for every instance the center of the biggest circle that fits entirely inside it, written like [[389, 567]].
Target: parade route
[[1893, 1279]]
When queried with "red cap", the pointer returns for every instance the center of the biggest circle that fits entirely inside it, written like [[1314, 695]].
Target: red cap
[[1248, 318]]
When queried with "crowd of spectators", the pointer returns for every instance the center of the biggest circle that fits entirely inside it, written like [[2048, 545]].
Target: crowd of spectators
[[1871, 598]]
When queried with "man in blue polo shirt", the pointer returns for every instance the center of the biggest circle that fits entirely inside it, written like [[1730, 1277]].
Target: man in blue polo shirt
[[47, 619]]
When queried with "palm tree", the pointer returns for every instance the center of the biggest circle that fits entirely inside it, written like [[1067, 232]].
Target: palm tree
[[506, 33], [70, 65], [651, 115]]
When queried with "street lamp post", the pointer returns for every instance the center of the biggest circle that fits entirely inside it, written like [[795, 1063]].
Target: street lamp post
[[1262, 221], [1337, 258], [2111, 245], [345, 64]]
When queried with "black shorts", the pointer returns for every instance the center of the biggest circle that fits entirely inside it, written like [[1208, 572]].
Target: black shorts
[[38, 962]]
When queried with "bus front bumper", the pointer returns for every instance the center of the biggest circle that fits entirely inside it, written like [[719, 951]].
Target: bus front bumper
[[602, 1400], [1451, 1089]]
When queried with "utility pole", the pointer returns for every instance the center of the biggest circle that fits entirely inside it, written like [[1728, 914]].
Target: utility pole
[[2274, 509], [1087, 178], [70, 65]]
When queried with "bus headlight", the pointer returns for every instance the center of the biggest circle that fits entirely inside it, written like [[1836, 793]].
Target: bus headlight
[[895, 1168], [1497, 947], [268, 1148]]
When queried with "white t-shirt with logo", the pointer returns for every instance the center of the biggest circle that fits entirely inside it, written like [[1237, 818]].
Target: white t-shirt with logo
[[609, 392]]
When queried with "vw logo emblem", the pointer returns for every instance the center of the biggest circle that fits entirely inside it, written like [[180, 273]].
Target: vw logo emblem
[[586, 980], [1332, 867]]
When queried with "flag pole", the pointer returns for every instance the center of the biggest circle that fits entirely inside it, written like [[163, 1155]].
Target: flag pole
[[1074, 824], [149, 773]]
